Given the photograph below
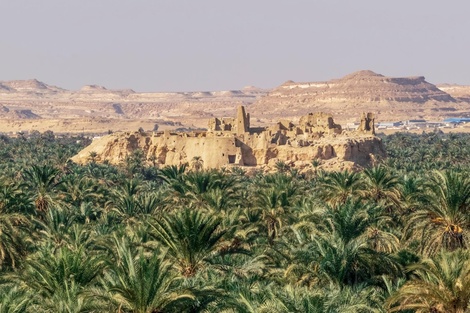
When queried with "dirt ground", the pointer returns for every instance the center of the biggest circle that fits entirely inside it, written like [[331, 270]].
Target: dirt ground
[[77, 126], [103, 126]]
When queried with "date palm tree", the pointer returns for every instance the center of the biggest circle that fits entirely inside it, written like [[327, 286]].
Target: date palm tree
[[336, 246], [337, 187], [273, 213], [42, 182], [351, 299], [444, 221], [138, 283], [274, 198], [197, 163], [54, 227], [219, 200], [412, 194], [190, 237], [14, 229], [351, 262], [172, 173], [381, 186], [283, 300], [14, 200], [81, 189], [440, 284], [59, 280]]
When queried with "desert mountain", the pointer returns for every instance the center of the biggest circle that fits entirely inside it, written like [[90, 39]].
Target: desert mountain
[[459, 92], [22, 100], [32, 104], [27, 86], [93, 88], [387, 97]]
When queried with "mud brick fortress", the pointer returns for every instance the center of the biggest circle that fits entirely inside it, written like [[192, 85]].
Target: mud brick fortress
[[233, 142]]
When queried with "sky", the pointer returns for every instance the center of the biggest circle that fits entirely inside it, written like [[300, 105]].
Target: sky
[[198, 45]]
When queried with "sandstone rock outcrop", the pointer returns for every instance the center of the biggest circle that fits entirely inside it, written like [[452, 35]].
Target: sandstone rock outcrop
[[387, 97], [231, 141]]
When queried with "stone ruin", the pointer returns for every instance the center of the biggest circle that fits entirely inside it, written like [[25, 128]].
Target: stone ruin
[[367, 125], [232, 141], [238, 125]]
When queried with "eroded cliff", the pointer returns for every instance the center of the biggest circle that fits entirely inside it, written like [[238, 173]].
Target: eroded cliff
[[389, 98]]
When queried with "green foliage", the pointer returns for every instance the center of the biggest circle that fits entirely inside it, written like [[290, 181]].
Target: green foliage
[[440, 284], [190, 237], [139, 283], [136, 238]]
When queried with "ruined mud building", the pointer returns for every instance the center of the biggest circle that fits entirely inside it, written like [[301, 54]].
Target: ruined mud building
[[233, 141]]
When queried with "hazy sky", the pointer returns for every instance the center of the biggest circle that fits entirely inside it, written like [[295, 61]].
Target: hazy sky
[[176, 45]]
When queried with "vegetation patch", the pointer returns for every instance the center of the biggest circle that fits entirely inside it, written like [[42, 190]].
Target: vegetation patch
[[138, 238]]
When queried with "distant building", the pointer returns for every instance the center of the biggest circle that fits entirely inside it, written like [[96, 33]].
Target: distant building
[[457, 120], [385, 125], [418, 123], [414, 122], [435, 124], [352, 126]]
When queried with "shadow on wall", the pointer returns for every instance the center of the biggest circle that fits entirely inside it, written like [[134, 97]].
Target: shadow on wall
[[248, 157]]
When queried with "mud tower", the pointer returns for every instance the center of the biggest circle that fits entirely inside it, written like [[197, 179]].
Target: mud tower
[[243, 121], [367, 123]]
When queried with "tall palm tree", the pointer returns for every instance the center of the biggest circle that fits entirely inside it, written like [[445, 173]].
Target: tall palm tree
[[131, 203], [172, 173], [14, 200], [14, 229], [71, 299], [59, 280], [283, 300], [344, 245], [150, 204], [273, 199], [273, 213], [141, 284], [42, 182], [440, 284], [337, 187], [79, 189], [351, 262], [200, 182], [351, 299], [381, 185], [412, 194], [54, 227], [197, 163], [444, 221], [198, 188], [190, 237], [219, 200], [354, 219]]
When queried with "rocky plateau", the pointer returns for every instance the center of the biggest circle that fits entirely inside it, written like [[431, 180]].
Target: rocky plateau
[[27, 105], [33, 105], [389, 98]]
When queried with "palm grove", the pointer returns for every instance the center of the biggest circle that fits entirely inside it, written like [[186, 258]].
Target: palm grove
[[136, 238]]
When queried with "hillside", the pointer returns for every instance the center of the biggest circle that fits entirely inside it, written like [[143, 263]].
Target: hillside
[[459, 92], [34, 105], [388, 97], [97, 109]]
